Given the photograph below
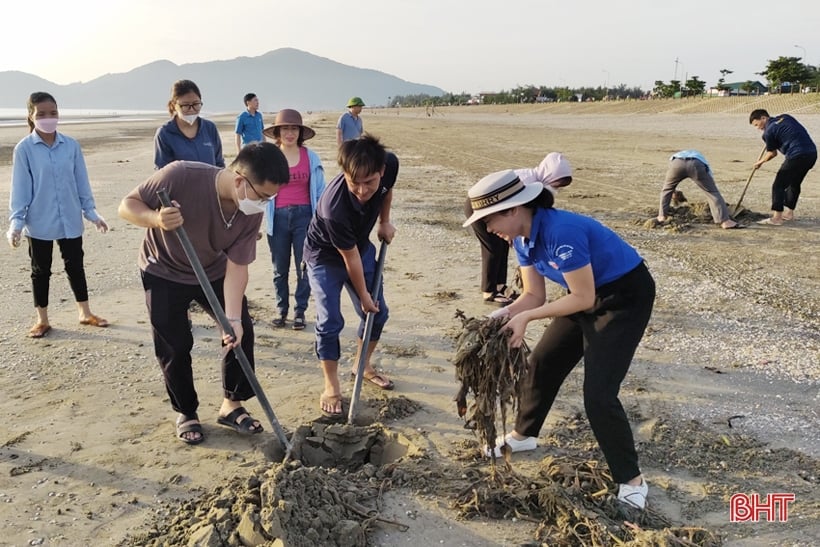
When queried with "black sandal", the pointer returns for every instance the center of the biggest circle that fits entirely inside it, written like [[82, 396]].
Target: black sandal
[[246, 426], [498, 299], [189, 428]]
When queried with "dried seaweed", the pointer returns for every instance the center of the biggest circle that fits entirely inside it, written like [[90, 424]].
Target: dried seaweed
[[491, 370]]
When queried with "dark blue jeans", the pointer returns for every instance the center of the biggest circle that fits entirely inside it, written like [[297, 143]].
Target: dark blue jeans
[[289, 230], [327, 282]]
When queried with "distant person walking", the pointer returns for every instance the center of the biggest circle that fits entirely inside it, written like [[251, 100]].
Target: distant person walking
[[249, 123], [691, 164], [785, 134], [187, 136], [289, 213], [350, 125], [50, 195]]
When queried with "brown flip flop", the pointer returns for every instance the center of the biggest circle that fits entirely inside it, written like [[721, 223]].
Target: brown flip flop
[[39, 330]]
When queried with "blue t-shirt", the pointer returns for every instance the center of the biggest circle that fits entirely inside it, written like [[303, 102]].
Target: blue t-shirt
[[784, 133], [341, 222], [170, 144], [562, 242], [250, 127], [351, 127]]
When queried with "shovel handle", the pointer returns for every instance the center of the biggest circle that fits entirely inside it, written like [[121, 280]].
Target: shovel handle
[[375, 289], [740, 199], [225, 324]]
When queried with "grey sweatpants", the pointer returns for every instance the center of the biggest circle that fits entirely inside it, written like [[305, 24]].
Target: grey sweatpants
[[694, 169]]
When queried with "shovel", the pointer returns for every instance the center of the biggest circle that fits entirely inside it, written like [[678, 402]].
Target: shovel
[[368, 328], [202, 277], [737, 208]]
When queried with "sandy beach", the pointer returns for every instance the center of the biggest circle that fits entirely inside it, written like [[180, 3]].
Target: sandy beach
[[722, 394]]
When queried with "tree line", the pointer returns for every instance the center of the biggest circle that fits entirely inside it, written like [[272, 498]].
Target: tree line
[[784, 75]]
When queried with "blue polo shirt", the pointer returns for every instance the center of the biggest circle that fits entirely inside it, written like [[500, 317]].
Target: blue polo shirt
[[562, 242], [784, 133], [341, 222], [249, 126], [351, 127], [170, 144]]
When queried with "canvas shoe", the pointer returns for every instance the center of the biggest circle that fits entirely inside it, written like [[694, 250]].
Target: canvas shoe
[[514, 444], [633, 495]]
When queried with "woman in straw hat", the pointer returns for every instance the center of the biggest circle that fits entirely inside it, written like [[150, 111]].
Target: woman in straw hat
[[602, 317], [289, 213]]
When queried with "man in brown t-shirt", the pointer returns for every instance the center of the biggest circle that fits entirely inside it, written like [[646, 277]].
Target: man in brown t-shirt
[[222, 211]]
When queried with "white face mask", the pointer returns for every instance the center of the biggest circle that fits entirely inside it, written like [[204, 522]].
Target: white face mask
[[190, 119], [46, 125], [251, 206]]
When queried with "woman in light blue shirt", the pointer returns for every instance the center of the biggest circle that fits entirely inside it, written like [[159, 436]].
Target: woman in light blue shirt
[[50, 195]]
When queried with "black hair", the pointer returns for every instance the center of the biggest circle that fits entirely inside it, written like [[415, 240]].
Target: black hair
[[249, 97], [180, 88], [362, 157], [33, 100], [277, 135], [262, 162], [544, 200], [757, 114]]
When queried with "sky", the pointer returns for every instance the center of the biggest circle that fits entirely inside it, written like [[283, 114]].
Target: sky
[[459, 46]]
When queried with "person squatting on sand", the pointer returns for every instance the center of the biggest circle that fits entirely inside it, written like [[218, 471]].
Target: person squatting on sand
[[50, 195], [691, 164], [289, 213], [339, 254], [222, 211], [187, 136], [555, 172], [601, 318], [787, 135]]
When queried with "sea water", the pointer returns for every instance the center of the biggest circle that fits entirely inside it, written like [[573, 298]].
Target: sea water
[[17, 116]]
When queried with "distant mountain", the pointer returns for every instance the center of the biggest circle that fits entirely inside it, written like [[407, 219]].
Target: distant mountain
[[283, 78]]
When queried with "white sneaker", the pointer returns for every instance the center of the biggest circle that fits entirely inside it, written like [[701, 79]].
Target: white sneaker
[[634, 495], [514, 444]]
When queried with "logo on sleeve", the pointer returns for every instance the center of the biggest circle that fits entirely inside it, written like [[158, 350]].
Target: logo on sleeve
[[564, 252]]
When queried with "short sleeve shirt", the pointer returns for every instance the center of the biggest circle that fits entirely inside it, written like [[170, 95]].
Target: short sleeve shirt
[[249, 126], [786, 134], [341, 222], [193, 186], [562, 242], [351, 127]]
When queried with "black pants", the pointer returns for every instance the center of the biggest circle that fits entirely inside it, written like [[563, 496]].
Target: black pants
[[606, 337], [786, 186], [494, 254], [40, 251], [168, 304]]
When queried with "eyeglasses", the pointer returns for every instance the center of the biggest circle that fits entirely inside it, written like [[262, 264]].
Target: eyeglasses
[[189, 106], [255, 191]]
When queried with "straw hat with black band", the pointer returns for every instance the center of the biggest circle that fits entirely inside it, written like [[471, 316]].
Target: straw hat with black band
[[498, 192]]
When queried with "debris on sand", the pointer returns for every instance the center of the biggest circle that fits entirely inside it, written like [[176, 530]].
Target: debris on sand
[[683, 215], [489, 368]]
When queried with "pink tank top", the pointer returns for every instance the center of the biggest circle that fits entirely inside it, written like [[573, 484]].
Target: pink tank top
[[297, 190]]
